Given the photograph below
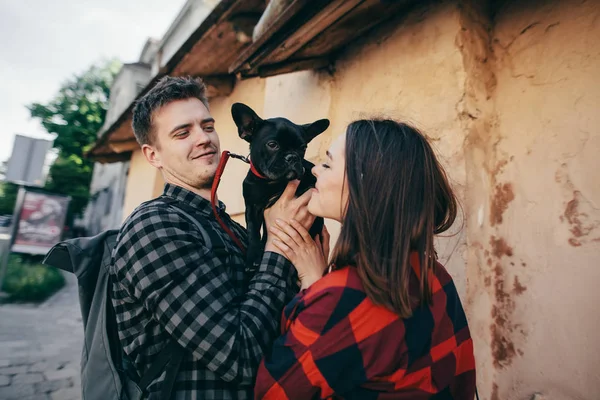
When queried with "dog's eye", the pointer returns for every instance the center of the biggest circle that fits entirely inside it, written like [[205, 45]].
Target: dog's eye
[[273, 145]]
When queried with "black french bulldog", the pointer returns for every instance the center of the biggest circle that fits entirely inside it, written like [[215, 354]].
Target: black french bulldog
[[277, 148]]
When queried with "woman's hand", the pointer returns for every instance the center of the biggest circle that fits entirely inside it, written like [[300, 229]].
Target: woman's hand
[[308, 256], [286, 208]]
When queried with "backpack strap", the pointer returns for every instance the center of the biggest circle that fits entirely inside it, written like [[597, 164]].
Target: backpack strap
[[194, 222], [169, 358], [219, 245]]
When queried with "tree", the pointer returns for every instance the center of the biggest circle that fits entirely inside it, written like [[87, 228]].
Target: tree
[[3, 168], [8, 197], [75, 115]]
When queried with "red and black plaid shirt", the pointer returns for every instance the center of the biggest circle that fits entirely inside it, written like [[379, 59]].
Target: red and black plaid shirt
[[336, 343]]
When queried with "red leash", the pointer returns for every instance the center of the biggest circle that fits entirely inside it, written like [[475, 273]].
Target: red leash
[[213, 193], [213, 201]]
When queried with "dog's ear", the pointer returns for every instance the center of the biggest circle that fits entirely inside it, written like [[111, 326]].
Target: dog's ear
[[315, 129], [246, 120]]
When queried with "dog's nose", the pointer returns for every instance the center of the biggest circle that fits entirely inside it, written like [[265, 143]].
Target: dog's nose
[[290, 157]]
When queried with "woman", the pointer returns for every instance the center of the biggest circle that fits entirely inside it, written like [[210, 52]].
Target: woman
[[386, 322]]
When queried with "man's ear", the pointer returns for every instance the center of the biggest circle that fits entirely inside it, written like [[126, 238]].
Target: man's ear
[[315, 129], [152, 155], [246, 119]]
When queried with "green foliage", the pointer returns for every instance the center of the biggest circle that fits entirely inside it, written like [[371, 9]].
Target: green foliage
[[77, 112], [71, 176], [28, 280], [75, 115], [8, 197]]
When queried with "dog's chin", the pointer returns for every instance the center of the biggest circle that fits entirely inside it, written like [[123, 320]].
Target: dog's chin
[[287, 175], [291, 175]]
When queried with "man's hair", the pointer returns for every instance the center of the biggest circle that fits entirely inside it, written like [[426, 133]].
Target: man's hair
[[166, 90]]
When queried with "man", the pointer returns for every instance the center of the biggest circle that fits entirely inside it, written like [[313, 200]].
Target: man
[[174, 282]]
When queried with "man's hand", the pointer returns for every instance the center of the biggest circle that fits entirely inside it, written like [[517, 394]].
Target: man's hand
[[288, 208]]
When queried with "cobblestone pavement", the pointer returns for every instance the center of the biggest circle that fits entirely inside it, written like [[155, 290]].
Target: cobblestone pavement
[[40, 348]]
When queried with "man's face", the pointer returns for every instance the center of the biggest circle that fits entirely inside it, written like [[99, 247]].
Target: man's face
[[186, 145]]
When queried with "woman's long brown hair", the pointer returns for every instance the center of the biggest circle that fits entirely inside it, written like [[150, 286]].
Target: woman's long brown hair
[[398, 199]]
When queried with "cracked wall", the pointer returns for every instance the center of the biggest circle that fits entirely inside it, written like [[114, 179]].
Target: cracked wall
[[389, 72], [410, 70], [508, 93], [547, 139], [509, 98]]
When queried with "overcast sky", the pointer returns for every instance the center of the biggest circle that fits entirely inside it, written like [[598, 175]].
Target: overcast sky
[[44, 43]]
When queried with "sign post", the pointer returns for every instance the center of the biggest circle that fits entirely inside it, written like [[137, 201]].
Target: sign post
[[4, 252], [6, 240], [38, 217]]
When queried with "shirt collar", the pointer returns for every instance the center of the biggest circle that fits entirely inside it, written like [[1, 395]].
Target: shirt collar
[[198, 202]]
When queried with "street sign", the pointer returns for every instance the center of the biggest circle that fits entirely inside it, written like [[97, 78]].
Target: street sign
[[26, 164]]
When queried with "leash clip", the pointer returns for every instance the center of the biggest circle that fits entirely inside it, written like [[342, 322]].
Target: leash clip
[[247, 160], [240, 157]]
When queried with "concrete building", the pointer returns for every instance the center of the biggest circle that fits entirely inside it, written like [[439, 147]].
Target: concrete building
[[107, 188], [508, 91]]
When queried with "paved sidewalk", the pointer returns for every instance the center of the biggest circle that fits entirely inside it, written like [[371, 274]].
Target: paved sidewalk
[[40, 348]]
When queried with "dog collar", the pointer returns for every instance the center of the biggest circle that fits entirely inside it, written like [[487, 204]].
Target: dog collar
[[255, 171]]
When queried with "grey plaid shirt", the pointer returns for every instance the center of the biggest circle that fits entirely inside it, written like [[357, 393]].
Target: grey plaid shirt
[[170, 281]]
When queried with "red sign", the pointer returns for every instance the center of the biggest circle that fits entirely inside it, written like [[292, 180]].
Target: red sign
[[41, 221]]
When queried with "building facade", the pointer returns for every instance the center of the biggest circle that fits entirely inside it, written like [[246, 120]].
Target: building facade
[[508, 93]]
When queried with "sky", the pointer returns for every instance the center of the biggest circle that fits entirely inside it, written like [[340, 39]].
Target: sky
[[42, 44]]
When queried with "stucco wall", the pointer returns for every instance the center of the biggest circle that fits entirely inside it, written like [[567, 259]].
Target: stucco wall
[[410, 71], [509, 99], [378, 76], [252, 93], [543, 213], [510, 107], [144, 182], [303, 97]]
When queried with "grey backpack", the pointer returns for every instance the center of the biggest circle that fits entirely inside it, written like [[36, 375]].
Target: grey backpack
[[106, 371]]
